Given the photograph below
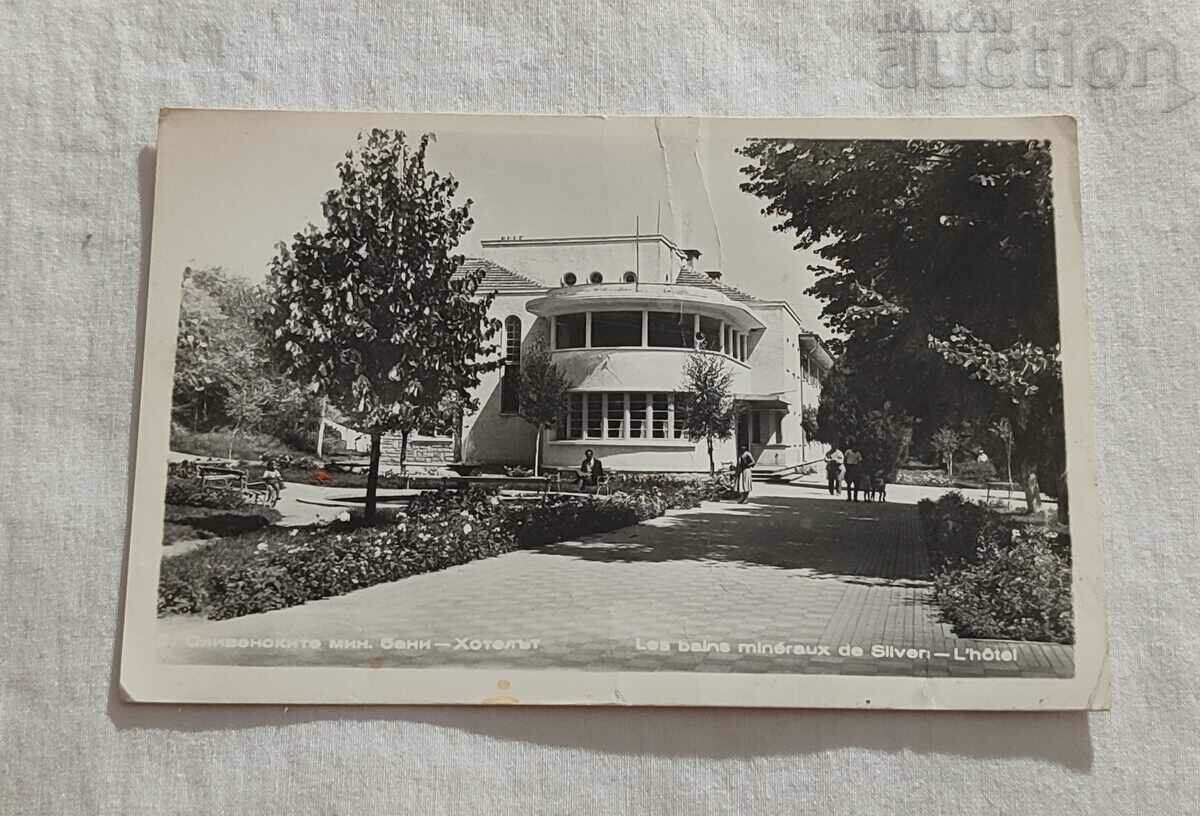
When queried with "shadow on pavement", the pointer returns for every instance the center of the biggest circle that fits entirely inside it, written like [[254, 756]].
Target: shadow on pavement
[[834, 537]]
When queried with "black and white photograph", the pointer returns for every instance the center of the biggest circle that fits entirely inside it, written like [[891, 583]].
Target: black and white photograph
[[571, 410]]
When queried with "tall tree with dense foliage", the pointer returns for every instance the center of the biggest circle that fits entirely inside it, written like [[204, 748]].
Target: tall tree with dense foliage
[[707, 399], [224, 376], [372, 309], [543, 396], [881, 432], [940, 275]]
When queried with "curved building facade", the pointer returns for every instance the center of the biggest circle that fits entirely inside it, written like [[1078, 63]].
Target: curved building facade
[[620, 316]]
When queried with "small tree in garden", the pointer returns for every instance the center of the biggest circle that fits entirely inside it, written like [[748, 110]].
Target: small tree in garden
[[1002, 430], [708, 400], [543, 396], [946, 443], [372, 309]]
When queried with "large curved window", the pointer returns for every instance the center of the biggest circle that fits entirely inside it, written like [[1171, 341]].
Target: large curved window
[[638, 329], [710, 333], [671, 329], [616, 329], [510, 379], [570, 331]]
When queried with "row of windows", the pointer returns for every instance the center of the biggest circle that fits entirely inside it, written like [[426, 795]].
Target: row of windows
[[623, 415], [629, 329]]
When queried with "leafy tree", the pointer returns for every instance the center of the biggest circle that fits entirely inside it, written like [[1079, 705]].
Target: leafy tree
[[372, 309], [940, 264], [224, 377], [946, 443], [880, 432], [707, 398], [543, 396]]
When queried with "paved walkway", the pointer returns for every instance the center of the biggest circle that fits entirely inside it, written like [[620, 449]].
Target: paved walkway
[[794, 581]]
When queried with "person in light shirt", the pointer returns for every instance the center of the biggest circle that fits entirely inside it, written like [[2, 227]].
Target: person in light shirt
[[853, 472]]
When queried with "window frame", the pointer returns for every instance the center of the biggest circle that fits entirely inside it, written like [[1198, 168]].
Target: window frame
[[510, 374]]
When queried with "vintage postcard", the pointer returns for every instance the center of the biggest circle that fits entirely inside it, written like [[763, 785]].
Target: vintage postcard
[[615, 410]]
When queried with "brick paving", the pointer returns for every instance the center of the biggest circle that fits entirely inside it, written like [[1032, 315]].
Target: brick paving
[[791, 582]]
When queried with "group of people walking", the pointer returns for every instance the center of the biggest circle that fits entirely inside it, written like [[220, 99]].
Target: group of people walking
[[860, 479], [841, 467]]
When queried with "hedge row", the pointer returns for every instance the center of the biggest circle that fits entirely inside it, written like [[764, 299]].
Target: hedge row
[[999, 576], [187, 492], [278, 568]]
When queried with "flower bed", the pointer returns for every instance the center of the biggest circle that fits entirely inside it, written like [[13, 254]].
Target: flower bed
[[278, 568], [1000, 576]]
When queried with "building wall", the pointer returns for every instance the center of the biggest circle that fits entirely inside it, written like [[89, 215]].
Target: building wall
[[776, 367], [672, 456], [635, 369], [488, 436]]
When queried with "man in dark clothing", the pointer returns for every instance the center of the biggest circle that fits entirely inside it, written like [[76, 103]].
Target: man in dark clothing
[[590, 470]]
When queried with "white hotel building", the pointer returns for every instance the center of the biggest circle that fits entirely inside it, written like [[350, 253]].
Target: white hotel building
[[620, 315]]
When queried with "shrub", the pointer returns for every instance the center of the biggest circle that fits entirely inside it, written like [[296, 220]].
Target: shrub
[[276, 568], [195, 493], [224, 444], [951, 526], [977, 472], [998, 576], [1018, 589], [923, 477]]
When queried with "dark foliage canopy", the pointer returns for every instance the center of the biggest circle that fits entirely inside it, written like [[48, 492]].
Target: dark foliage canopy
[[940, 277]]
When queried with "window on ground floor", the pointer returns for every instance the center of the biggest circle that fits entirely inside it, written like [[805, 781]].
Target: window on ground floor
[[594, 421], [615, 412], [624, 415], [660, 413], [680, 416], [637, 416], [573, 421]]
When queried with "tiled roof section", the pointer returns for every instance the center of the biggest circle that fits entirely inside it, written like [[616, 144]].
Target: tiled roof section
[[498, 279], [693, 278]]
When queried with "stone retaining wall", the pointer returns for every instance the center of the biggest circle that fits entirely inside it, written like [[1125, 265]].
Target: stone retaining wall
[[423, 450]]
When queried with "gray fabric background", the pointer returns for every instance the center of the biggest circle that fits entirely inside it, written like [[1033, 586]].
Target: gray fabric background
[[80, 86]]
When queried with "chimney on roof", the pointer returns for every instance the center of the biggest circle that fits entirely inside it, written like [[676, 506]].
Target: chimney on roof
[[713, 274], [690, 256]]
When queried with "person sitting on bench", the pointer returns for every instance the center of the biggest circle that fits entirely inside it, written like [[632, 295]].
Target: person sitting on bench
[[590, 470]]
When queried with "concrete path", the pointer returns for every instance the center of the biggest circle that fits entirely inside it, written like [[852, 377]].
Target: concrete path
[[794, 581]]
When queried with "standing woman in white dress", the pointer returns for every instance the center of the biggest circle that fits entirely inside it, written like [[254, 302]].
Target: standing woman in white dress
[[745, 474]]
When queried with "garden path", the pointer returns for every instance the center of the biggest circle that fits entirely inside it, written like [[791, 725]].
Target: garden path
[[793, 566]]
